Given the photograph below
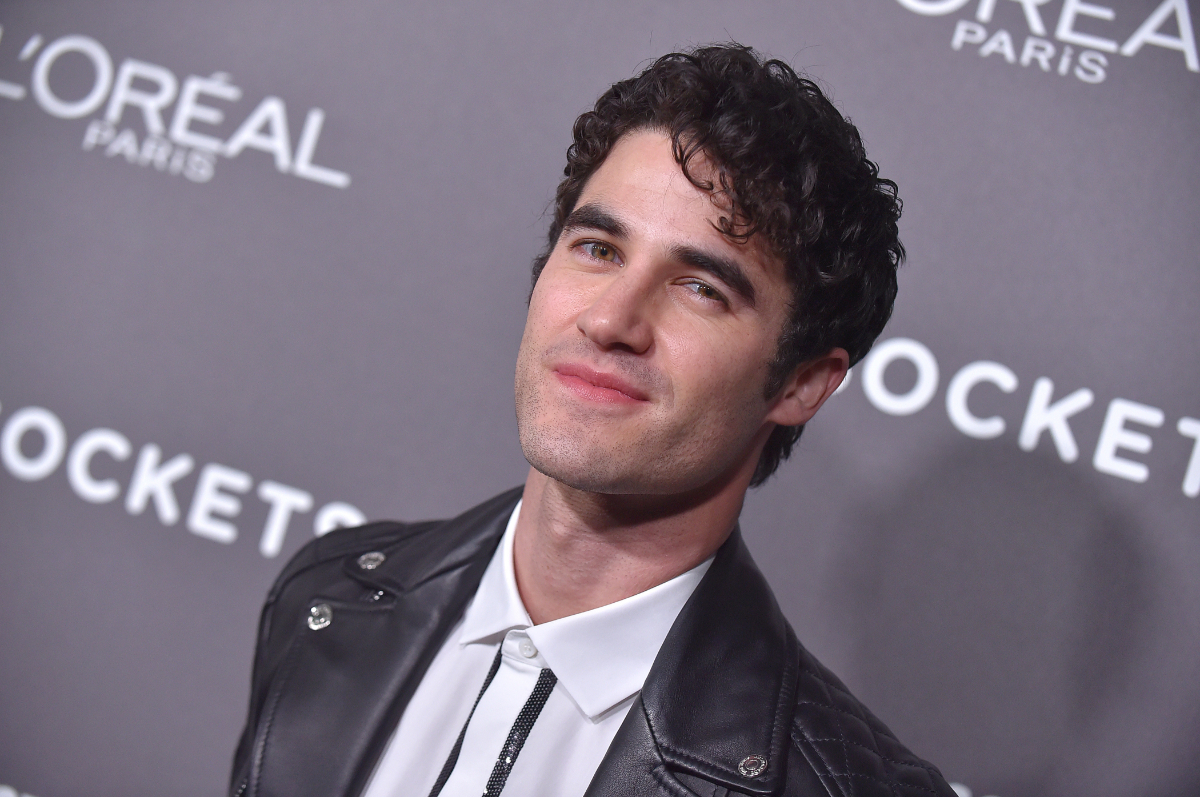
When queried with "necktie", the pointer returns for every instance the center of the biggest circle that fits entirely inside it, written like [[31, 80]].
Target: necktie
[[516, 736], [520, 730]]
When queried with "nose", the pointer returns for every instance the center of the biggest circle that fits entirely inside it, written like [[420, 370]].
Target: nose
[[619, 315]]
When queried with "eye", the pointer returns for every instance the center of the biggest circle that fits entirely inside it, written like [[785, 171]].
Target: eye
[[600, 251], [705, 291]]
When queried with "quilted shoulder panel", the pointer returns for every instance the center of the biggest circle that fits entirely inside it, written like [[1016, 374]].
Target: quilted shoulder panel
[[852, 751]]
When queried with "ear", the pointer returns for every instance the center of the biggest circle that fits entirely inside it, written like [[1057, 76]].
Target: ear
[[807, 388]]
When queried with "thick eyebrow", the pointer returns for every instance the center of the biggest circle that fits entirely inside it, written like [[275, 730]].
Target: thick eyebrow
[[594, 217], [723, 268]]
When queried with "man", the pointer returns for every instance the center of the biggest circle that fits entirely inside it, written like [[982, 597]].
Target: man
[[721, 252]]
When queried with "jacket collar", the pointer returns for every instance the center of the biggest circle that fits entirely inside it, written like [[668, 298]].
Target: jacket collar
[[722, 689], [721, 692], [472, 535]]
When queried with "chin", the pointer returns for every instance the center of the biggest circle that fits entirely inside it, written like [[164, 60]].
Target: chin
[[590, 466], [577, 465]]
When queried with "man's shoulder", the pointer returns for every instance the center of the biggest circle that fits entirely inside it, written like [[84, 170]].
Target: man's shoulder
[[733, 678], [392, 550], [330, 550], [851, 750]]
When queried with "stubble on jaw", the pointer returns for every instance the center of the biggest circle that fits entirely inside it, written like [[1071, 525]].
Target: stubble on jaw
[[562, 442], [652, 457]]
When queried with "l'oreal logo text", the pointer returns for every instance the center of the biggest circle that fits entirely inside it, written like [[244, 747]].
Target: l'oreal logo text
[[1082, 33], [184, 144]]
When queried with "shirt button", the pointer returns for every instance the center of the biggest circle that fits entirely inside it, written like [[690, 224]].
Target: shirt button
[[527, 649]]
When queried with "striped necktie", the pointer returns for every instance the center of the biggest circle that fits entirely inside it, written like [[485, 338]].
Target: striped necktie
[[516, 736]]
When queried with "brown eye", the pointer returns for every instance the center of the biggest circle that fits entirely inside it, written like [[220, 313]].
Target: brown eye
[[707, 291], [601, 251]]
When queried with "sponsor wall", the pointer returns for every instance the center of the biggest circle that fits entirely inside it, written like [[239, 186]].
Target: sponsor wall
[[264, 269]]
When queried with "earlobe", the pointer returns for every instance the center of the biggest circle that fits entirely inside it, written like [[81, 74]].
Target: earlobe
[[808, 387]]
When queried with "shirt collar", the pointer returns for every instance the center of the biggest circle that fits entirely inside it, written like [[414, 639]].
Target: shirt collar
[[601, 656], [496, 608]]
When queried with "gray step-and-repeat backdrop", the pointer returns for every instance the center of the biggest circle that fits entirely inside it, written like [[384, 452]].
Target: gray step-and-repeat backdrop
[[263, 273]]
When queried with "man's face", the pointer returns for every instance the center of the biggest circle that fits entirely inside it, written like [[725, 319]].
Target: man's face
[[646, 349]]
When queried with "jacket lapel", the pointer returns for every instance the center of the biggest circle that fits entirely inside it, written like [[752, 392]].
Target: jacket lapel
[[340, 689], [719, 700]]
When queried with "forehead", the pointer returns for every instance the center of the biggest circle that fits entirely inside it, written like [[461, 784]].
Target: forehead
[[641, 173], [642, 184]]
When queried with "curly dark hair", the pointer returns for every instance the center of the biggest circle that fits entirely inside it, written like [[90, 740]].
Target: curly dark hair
[[790, 168]]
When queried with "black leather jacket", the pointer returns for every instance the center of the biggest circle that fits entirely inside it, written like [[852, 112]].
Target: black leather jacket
[[732, 706]]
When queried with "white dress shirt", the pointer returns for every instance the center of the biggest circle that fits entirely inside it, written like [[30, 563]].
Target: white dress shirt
[[601, 658]]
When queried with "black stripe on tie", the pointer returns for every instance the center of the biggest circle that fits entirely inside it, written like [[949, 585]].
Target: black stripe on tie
[[448, 767], [520, 731]]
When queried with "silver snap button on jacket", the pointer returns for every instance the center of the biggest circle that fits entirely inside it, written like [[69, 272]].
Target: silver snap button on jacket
[[372, 560], [320, 616], [752, 765]]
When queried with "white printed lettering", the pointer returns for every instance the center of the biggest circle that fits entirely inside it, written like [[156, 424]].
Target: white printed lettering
[[1190, 427], [199, 166], [1064, 63], [54, 443], [150, 480], [876, 365], [1090, 68], [1041, 415], [188, 109], [337, 514], [272, 113], [933, 8], [959, 391], [1033, 17], [90, 443], [101, 63], [1039, 50], [284, 500], [126, 144], [209, 500], [151, 103], [1148, 33], [31, 46], [1001, 42], [967, 32], [98, 132], [845, 381], [1065, 31], [155, 150], [304, 154], [1114, 436]]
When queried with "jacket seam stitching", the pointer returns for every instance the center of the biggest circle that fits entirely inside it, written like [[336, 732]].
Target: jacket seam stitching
[[800, 742], [845, 750], [790, 674], [863, 717], [891, 784], [700, 763], [703, 765], [659, 773], [881, 756], [284, 675]]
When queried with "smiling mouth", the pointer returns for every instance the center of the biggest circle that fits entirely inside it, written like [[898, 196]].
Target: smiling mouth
[[597, 386]]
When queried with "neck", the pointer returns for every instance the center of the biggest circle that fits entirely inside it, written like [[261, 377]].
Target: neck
[[575, 550]]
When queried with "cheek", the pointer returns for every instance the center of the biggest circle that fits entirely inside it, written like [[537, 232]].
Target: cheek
[[555, 303], [717, 372]]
